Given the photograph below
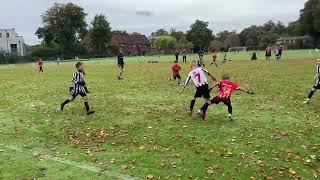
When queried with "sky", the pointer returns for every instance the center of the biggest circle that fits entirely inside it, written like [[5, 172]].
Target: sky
[[146, 16]]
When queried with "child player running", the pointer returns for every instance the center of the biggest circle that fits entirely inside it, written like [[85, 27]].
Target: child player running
[[176, 72], [226, 88], [197, 75], [316, 84]]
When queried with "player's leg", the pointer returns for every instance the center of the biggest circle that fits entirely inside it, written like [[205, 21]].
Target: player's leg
[[121, 66], [204, 108], [86, 89], [193, 101], [73, 97], [215, 63], [313, 90], [179, 79], [86, 103], [229, 105]]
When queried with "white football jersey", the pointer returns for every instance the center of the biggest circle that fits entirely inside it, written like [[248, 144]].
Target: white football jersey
[[198, 77]]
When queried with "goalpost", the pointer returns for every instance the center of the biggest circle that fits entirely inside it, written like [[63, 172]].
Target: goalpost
[[237, 49]]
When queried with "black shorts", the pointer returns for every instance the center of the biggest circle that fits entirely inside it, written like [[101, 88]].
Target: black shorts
[[40, 67], [202, 91], [82, 94], [176, 76], [121, 65], [217, 100]]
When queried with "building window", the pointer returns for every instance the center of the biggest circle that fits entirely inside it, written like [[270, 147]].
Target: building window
[[7, 35], [14, 48], [0, 35]]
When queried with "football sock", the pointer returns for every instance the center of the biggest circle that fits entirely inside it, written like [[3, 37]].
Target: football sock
[[311, 94], [86, 89], [86, 104], [205, 107], [230, 108], [192, 104], [66, 102]]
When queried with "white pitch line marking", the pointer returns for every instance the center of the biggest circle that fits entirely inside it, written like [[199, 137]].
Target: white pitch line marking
[[71, 163]]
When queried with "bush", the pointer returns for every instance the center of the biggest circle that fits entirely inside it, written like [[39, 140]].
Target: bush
[[45, 51]]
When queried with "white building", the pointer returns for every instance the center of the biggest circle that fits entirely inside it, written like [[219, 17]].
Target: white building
[[11, 43]]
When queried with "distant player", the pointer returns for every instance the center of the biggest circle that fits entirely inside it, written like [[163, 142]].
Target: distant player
[[176, 72], [177, 53], [184, 56], [316, 85], [197, 75], [40, 64], [214, 57], [268, 53], [78, 88], [200, 54], [226, 88], [200, 62], [224, 58], [120, 65]]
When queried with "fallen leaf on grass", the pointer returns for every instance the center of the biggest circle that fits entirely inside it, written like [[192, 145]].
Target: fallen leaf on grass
[[284, 133], [141, 147], [292, 172], [150, 176], [124, 167]]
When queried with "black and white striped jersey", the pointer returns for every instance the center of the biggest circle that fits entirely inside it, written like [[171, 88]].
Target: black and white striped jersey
[[77, 80], [198, 77], [318, 75]]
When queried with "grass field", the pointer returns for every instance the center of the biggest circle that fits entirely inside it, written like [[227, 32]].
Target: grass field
[[141, 130]]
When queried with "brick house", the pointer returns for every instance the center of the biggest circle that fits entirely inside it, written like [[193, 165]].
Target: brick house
[[295, 42], [132, 45]]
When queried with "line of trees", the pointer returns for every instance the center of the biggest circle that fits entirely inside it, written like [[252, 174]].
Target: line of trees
[[255, 36], [64, 28]]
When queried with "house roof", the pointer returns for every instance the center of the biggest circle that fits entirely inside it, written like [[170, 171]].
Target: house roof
[[130, 39]]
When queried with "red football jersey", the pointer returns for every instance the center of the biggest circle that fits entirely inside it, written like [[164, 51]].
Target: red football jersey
[[226, 88], [175, 68], [40, 62]]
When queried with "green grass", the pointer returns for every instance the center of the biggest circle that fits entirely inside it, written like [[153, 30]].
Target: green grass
[[146, 130]]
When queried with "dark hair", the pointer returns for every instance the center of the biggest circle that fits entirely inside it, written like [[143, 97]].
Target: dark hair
[[78, 64], [225, 77]]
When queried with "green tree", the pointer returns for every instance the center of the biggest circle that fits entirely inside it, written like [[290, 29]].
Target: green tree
[[100, 33], [66, 24], [216, 45], [199, 35], [159, 32], [166, 42], [232, 40], [309, 18], [293, 28], [222, 36], [177, 34], [184, 43], [251, 36]]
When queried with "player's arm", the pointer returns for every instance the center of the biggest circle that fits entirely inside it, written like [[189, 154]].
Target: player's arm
[[209, 74], [245, 90], [214, 85], [316, 77], [186, 83]]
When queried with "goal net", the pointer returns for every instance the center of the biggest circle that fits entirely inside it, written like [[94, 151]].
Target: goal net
[[237, 49]]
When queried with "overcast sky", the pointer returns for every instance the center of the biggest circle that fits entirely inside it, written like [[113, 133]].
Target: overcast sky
[[146, 16]]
